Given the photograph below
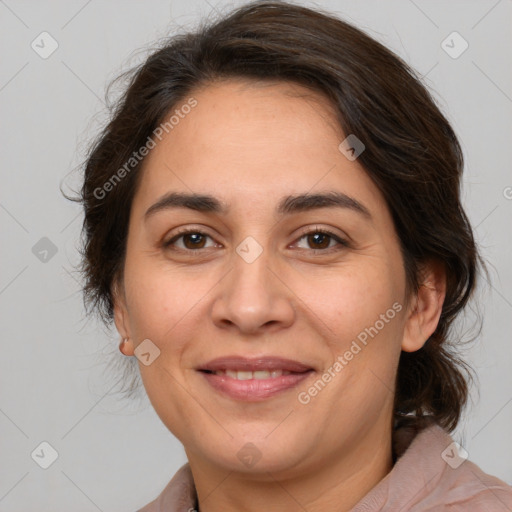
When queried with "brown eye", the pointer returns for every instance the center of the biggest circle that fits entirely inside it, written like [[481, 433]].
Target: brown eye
[[321, 240], [191, 240], [317, 240]]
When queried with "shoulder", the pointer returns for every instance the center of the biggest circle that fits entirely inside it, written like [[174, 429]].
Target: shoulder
[[454, 483], [470, 488], [432, 473], [179, 495]]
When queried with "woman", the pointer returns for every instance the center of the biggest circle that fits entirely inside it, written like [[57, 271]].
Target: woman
[[273, 222]]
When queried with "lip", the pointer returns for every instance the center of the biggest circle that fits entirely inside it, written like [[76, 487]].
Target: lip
[[254, 390]]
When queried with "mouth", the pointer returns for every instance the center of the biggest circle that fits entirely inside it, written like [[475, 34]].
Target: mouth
[[255, 379], [248, 375]]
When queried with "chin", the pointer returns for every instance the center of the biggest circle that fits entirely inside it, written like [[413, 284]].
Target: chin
[[255, 455]]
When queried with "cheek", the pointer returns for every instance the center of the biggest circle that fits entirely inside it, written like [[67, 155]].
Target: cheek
[[349, 299], [161, 302], [359, 314]]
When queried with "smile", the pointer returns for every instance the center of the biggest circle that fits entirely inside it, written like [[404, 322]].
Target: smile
[[254, 386]]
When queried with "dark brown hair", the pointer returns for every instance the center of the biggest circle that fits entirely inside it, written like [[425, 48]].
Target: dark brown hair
[[412, 155]]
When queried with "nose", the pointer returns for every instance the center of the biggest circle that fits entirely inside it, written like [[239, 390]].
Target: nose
[[252, 298]]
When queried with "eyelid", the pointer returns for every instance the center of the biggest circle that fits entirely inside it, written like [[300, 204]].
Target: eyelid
[[185, 231], [320, 229], [342, 240]]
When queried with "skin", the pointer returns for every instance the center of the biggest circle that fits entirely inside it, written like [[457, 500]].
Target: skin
[[250, 144]]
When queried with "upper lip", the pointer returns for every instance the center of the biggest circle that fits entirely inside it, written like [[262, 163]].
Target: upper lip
[[254, 364]]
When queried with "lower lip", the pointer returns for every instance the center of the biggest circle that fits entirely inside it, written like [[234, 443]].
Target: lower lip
[[254, 390]]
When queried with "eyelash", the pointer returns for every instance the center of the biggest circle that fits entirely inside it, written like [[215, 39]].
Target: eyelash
[[344, 243]]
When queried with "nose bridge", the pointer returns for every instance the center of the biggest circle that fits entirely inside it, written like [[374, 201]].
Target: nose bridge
[[251, 265], [250, 295]]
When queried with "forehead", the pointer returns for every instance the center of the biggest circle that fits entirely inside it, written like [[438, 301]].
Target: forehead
[[256, 142]]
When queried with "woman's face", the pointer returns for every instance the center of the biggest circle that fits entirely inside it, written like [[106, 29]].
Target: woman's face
[[258, 280]]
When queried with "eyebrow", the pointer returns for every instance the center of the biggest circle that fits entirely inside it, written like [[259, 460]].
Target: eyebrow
[[287, 205]]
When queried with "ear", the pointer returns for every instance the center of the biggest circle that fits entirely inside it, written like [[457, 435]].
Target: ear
[[121, 319], [426, 306]]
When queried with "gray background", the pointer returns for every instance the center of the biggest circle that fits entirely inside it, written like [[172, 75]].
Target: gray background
[[54, 384]]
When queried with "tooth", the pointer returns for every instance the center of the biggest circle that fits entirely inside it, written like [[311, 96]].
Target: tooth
[[263, 374], [247, 375]]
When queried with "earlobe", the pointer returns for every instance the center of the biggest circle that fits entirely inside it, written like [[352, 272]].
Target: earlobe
[[122, 323], [426, 307], [126, 347]]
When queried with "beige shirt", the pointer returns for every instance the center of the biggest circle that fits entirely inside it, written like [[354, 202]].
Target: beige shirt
[[430, 474]]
